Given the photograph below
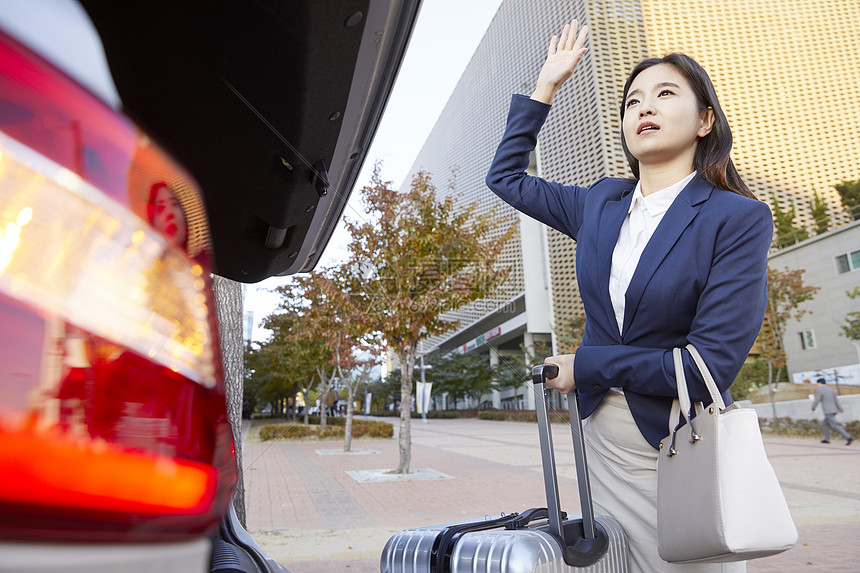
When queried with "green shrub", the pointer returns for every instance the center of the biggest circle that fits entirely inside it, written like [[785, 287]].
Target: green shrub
[[526, 416], [371, 429], [385, 413], [444, 414], [329, 420], [325, 432], [285, 431], [360, 429], [494, 415], [436, 414]]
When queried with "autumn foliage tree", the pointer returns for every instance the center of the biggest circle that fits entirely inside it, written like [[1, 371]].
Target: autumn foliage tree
[[569, 334], [330, 325], [368, 357], [785, 292], [851, 327], [414, 259]]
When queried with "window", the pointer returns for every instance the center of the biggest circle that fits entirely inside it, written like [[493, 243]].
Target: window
[[848, 262], [807, 339]]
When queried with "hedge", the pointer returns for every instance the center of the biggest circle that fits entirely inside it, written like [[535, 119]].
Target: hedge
[[433, 414], [360, 429], [528, 416]]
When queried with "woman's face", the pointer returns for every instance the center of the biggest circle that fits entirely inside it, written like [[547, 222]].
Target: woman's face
[[662, 122], [167, 216]]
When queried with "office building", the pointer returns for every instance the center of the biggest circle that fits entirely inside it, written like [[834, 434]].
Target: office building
[[786, 73]]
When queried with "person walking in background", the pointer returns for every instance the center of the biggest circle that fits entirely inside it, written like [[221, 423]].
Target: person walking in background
[[830, 405]]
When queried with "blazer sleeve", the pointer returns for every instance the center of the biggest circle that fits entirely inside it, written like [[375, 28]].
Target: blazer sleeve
[[559, 206], [727, 319]]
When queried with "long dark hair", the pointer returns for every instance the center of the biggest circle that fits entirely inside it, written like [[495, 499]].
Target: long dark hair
[[712, 159]]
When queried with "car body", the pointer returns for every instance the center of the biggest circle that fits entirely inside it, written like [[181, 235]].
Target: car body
[[145, 146]]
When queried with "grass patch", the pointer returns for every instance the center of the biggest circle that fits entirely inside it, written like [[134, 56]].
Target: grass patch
[[790, 428]]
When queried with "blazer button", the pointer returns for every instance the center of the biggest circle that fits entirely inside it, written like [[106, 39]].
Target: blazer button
[[597, 387]]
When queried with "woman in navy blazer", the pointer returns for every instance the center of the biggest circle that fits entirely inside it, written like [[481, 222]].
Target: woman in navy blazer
[[700, 279]]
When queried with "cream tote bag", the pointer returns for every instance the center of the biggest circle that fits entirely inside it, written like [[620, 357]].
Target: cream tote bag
[[718, 498]]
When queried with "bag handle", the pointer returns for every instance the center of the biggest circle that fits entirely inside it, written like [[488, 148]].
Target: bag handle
[[683, 403], [706, 375]]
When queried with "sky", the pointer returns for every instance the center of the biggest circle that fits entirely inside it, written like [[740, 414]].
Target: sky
[[445, 37]]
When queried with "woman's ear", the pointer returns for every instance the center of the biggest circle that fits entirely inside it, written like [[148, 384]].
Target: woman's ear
[[707, 122]]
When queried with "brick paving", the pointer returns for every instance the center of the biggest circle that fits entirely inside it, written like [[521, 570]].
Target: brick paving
[[314, 518]]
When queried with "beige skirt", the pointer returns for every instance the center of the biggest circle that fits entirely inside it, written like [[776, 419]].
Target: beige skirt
[[623, 470]]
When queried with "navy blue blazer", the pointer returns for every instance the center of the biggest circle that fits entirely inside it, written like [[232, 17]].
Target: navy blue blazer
[[701, 278]]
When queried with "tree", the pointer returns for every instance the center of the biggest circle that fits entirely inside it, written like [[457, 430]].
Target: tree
[[569, 334], [228, 307], [363, 366], [753, 375], [354, 341], [329, 322], [336, 340], [851, 328], [515, 370], [293, 348], [416, 258], [785, 292], [462, 375], [386, 390], [849, 194], [275, 370], [818, 210], [786, 233]]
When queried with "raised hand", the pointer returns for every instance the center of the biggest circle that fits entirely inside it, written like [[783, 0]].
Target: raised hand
[[562, 57]]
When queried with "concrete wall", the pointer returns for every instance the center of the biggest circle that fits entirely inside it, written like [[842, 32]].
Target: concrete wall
[[827, 311]]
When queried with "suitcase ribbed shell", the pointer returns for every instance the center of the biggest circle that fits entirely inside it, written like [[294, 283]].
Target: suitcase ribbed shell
[[499, 551]]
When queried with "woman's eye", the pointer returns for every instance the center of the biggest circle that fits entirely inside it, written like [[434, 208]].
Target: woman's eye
[[631, 102], [667, 92]]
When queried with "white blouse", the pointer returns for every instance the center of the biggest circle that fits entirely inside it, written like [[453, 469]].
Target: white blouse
[[644, 215]]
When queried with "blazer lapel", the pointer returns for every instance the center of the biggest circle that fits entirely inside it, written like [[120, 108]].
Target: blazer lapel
[[679, 216], [611, 219]]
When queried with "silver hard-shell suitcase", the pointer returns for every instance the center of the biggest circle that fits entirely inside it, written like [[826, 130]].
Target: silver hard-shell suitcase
[[514, 543]]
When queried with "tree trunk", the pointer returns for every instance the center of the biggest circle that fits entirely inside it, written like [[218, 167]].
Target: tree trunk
[[771, 391], [324, 382], [306, 393], [228, 304], [347, 429], [407, 366]]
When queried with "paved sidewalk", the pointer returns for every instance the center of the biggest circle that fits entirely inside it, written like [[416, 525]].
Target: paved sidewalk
[[311, 516]]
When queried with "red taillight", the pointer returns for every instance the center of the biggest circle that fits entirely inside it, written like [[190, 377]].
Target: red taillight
[[82, 474], [112, 414]]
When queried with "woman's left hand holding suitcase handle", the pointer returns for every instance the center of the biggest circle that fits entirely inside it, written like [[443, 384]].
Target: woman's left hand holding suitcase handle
[[564, 381]]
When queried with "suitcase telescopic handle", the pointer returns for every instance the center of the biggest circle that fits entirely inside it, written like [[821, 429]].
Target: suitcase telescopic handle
[[593, 543]]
